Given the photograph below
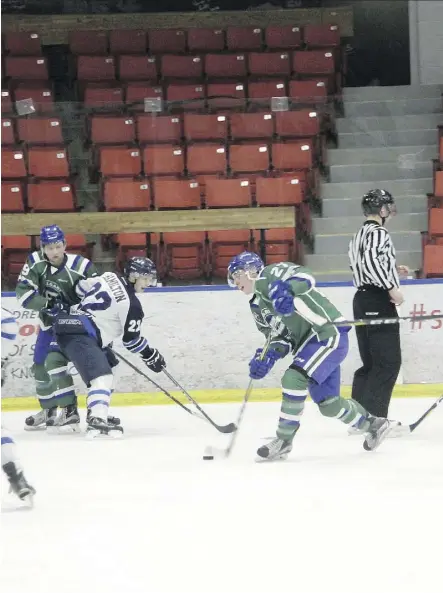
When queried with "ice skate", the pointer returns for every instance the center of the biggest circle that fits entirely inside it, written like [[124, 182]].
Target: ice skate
[[68, 421], [111, 419], [18, 483], [39, 421], [97, 427], [275, 449], [378, 430]]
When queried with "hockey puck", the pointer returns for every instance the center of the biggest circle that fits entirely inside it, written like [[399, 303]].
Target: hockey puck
[[208, 457], [208, 454]]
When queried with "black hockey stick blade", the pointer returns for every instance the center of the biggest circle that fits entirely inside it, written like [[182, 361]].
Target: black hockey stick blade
[[414, 425]]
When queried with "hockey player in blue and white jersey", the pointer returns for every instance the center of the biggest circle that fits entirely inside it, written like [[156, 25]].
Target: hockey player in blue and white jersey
[[108, 310]]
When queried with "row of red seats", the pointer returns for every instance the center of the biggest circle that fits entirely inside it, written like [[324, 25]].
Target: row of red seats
[[433, 250], [44, 162], [57, 195], [40, 93]]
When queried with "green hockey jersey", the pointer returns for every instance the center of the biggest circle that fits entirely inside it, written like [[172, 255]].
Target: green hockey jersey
[[39, 280], [313, 310]]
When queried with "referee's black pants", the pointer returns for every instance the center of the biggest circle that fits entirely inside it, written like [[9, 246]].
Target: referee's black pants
[[380, 351]]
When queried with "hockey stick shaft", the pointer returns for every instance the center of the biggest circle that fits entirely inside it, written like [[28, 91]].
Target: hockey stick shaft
[[414, 425], [386, 320]]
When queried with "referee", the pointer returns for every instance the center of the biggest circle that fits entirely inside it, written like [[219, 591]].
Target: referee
[[375, 273]]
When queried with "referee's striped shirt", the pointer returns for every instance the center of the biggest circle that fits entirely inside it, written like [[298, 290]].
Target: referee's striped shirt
[[372, 257]]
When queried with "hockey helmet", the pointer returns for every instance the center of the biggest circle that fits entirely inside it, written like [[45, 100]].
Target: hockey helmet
[[374, 200], [140, 266], [244, 262], [51, 234]]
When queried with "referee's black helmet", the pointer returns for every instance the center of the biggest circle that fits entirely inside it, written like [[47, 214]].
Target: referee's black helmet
[[374, 200]]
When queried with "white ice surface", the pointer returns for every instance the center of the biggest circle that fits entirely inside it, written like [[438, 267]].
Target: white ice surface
[[145, 514]]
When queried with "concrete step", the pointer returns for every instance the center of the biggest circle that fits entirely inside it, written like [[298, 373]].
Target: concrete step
[[380, 93], [388, 138], [393, 107], [376, 171], [357, 189], [352, 206], [339, 263], [350, 224], [391, 154], [339, 243], [388, 123]]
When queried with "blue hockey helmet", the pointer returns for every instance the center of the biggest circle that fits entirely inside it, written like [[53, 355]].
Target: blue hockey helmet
[[140, 266], [51, 234], [244, 262]]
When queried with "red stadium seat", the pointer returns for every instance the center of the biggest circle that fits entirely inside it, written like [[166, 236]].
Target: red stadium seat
[[51, 196], [313, 91], [278, 191], [292, 156], [185, 254], [249, 158], [127, 41], [48, 162], [16, 243], [112, 129], [186, 92], [167, 41], [23, 43], [26, 67], [226, 95], [119, 161], [435, 226], [279, 245], [137, 68], [40, 130], [15, 250], [432, 261], [244, 38], [206, 159], [8, 133], [225, 65], [297, 124], [95, 68], [12, 197], [205, 127], [283, 37], [173, 66], [40, 93], [13, 163], [321, 36], [269, 64], [137, 92], [180, 193], [438, 184], [223, 246], [98, 94], [164, 160], [313, 62], [251, 125], [227, 193], [152, 129], [130, 239], [88, 42], [205, 40], [6, 101], [125, 194], [263, 91]]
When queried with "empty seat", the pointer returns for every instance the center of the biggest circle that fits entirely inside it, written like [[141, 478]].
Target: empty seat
[[435, 226], [251, 125], [321, 35], [263, 91], [119, 161], [279, 245], [185, 254], [438, 184], [26, 68], [164, 160], [126, 194], [244, 38], [269, 64], [6, 101], [137, 92], [112, 129], [23, 43], [163, 41], [40, 130], [283, 37], [180, 193], [8, 134], [101, 95], [127, 41], [206, 159], [137, 67], [188, 93], [313, 62], [48, 162], [225, 65], [130, 239], [248, 158], [159, 128], [39, 92], [292, 156], [95, 68], [278, 191], [225, 95], [206, 40], [433, 260], [12, 197], [227, 193], [313, 91], [88, 42], [13, 163], [223, 246], [51, 196], [297, 124], [205, 127], [16, 243], [173, 66]]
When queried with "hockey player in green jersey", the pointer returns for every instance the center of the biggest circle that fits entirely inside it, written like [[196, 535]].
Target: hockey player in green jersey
[[50, 277], [285, 301]]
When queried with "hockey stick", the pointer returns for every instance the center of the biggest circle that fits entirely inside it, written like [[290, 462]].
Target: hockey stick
[[386, 320], [205, 417], [414, 425], [231, 427]]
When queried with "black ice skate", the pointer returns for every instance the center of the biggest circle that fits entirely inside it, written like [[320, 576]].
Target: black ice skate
[[40, 420], [18, 483], [378, 430], [99, 428], [67, 422], [111, 419], [275, 449]]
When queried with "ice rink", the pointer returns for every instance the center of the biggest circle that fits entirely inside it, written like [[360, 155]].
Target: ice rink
[[145, 514]]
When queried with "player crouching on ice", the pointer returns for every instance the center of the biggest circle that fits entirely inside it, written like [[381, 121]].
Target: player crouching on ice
[[286, 293], [108, 310]]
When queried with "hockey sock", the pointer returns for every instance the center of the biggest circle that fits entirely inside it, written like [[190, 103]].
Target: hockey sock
[[295, 392], [347, 411]]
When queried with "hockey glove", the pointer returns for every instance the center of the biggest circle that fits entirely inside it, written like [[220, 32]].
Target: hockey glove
[[259, 368], [153, 360], [282, 298], [54, 307]]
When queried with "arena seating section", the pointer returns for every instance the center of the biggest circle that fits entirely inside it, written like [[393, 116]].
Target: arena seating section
[[433, 247]]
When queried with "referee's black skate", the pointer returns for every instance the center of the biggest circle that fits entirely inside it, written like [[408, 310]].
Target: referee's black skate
[[275, 449], [97, 427], [18, 483], [379, 429]]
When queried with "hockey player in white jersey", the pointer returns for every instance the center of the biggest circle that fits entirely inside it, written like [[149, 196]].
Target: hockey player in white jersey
[[109, 309]]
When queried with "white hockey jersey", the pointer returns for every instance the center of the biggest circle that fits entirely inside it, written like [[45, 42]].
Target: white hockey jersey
[[111, 303]]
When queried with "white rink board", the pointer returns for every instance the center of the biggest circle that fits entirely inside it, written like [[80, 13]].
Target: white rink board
[[208, 337]]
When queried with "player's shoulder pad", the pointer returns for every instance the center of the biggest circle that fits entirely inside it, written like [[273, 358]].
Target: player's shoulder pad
[[35, 258], [77, 263]]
